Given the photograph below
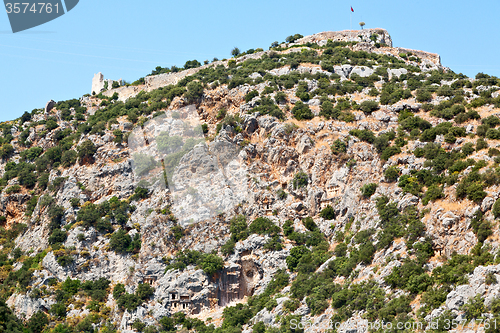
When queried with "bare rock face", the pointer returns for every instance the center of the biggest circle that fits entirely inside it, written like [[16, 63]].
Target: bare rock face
[[182, 200], [305, 144], [26, 306], [476, 286]]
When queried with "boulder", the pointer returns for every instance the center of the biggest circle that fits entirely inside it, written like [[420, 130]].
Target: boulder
[[344, 71], [487, 204], [396, 72], [362, 71]]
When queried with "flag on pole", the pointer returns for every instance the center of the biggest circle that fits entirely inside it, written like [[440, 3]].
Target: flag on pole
[[352, 10]]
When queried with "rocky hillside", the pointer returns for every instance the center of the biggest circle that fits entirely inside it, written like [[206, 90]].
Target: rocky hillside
[[331, 183]]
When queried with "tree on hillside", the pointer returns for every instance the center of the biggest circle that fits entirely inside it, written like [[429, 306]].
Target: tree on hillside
[[86, 152], [361, 24], [235, 52]]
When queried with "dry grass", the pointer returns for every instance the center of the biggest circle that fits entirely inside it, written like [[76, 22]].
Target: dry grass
[[451, 206]]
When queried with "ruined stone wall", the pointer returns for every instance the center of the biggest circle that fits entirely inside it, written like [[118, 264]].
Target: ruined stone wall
[[432, 57], [153, 82], [161, 80], [99, 83], [124, 93], [396, 51]]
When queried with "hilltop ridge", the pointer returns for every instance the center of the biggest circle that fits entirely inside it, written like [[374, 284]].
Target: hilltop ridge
[[370, 40]]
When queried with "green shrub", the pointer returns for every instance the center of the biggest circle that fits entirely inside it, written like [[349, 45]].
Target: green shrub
[[493, 134], [121, 242], [194, 91], [491, 121], [300, 180], [75, 202], [338, 147], [251, 95], [468, 148], [51, 124], [490, 278], [263, 226], [132, 301], [482, 130], [369, 106], [178, 232], [235, 52], [302, 111], [363, 135], [167, 324], [302, 91], [288, 228], [391, 174], [238, 227], [328, 111], [281, 194], [65, 260], [493, 152], [57, 236], [228, 248], [433, 193], [309, 224], [221, 114], [6, 151], [496, 208], [429, 135], [280, 97], [423, 95], [204, 128], [296, 254], [481, 227], [474, 308], [58, 310], [13, 189], [32, 153], [68, 158], [328, 213], [86, 152], [409, 276], [389, 151], [293, 38], [37, 322], [266, 106], [481, 144], [138, 325], [450, 138], [211, 263], [140, 193]]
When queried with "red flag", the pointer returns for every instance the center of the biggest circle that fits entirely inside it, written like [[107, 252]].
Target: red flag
[[352, 10]]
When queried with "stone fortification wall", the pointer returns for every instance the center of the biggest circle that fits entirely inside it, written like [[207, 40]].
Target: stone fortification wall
[[99, 83]]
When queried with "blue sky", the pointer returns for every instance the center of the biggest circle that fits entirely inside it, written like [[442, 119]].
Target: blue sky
[[127, 39]]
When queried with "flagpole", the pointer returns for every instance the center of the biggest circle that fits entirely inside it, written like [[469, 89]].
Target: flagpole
[[351, 20]]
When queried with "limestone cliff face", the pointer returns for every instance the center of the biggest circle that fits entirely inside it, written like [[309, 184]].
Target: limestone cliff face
[[273, 153]]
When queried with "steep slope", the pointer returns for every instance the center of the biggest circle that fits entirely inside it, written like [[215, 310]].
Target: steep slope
[[333, 181]]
